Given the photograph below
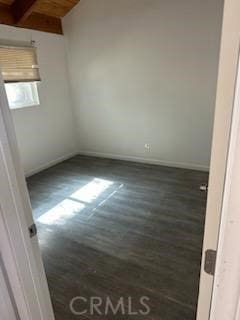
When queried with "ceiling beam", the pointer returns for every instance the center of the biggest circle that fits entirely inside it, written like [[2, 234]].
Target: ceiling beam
[[42, 22], [35, 21], [6, 16], [22, 9]]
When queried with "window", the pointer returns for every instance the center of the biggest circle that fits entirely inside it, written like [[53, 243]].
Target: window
[[20, 72], [22, 94]]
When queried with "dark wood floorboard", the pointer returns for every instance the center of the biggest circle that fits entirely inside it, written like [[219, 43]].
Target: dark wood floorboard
[[120, 229]]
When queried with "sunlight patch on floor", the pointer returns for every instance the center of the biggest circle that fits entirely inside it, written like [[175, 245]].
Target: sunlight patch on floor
[[92, 190], [75, 203], [64, 210]]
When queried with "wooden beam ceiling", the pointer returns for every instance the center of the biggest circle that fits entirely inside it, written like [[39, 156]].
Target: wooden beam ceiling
[[21, 9], [42, 15], [56, 8], [6, 16], [42, 22]]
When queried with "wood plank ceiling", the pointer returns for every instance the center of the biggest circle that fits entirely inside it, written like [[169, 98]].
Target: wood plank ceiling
[[43, 15]]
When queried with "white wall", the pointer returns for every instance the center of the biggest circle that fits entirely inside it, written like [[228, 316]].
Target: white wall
[[45, 133], [144, 71]]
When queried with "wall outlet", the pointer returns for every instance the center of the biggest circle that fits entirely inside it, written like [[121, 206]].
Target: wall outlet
[[147, 146]]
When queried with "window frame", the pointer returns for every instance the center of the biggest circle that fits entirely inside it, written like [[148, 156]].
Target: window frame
[[34, 91]]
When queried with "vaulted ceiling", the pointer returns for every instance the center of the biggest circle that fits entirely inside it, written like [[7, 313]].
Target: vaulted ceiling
[[43, 15]]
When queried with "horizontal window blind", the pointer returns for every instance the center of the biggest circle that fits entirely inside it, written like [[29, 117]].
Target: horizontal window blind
[[19, 64]]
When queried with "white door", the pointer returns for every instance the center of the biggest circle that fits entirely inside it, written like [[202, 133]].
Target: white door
[[20, 253], [7, 308], [226, 290], [222, 124]]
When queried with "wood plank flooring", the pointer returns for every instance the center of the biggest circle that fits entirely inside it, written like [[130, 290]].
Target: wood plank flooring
[[120, 229]]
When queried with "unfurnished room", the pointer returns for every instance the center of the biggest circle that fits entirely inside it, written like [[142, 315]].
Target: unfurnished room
[[110, 108]]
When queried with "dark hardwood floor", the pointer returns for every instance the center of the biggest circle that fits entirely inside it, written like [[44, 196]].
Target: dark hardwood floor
[[120, 229]]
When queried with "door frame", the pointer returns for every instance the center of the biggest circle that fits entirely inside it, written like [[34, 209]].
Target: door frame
[[226, 289], [20, 253], [225, 95]]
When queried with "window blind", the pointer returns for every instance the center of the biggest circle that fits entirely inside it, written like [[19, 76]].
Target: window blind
[[19, 64]]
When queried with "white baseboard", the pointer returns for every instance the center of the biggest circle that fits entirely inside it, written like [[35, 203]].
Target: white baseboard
[[182, 165], [117, 157], [50, 164]]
